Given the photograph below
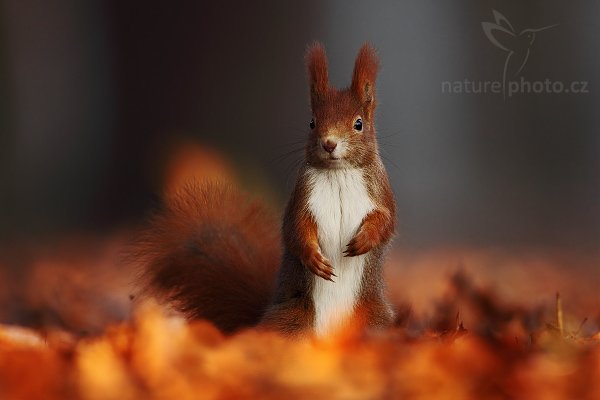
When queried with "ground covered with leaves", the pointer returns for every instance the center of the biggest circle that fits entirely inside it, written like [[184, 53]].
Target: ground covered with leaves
[[462, 332]]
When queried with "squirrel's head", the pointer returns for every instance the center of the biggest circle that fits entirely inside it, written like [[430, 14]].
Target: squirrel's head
[[342, 129]]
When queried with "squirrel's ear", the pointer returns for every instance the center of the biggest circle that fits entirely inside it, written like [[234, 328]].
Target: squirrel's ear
[[365, 73], [318, 77]]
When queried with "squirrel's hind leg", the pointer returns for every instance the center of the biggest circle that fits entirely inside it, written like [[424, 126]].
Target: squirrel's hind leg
[[293, 317]]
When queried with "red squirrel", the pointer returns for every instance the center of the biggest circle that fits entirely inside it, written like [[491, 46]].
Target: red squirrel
[[213, 254]]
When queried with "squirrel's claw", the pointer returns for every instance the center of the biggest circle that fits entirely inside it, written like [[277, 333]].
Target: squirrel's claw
[[360, 244], [320, 266]]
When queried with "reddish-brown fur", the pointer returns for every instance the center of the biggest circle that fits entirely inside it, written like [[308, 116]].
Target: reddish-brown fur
[[316, 61], [363, 78], [213, 255]]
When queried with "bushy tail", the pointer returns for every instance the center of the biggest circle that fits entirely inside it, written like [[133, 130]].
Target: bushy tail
[[212, 253]]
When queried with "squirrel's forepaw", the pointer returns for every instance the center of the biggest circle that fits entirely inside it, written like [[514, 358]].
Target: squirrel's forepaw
[[361, 243], [319, 265]]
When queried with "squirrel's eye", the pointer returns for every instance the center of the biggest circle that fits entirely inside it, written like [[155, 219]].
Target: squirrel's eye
[[358, 124], [312, 124]]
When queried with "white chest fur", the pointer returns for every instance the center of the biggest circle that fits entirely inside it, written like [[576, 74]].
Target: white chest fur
[[338, 201]]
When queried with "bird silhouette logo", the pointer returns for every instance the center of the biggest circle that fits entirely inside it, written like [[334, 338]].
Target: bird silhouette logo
[[517, 45]]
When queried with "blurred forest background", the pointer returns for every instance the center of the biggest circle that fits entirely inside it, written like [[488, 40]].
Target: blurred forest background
[[93, 93]]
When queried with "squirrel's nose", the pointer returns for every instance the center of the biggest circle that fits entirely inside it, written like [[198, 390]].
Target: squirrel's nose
[[329, 146]]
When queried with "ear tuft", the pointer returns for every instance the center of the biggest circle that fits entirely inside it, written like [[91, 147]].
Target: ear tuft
[[365, 73], [318, 76]]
